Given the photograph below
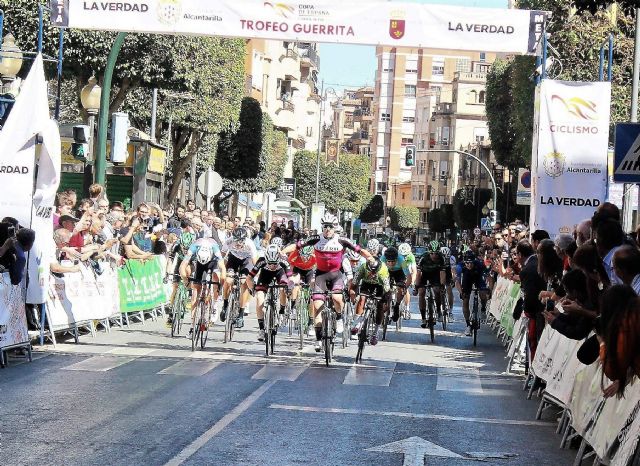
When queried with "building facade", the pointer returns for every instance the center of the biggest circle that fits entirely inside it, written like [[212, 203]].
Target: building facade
[[351, 120]]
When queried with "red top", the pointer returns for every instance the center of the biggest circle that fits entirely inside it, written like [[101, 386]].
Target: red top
[[77, 241], [296, 261]]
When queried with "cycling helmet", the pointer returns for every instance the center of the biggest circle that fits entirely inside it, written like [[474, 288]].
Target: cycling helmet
[[204, 255], [239, 234], [352, 255], [277, 241], [445, 251], [404, 249], [373, 246], [391, 254], [433, 246], [186, 240], [272, 254], [328, 218], [469, 256], [373, 266], [306, 253]]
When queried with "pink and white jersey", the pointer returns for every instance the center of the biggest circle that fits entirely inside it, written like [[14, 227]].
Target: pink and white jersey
[[329, 251]]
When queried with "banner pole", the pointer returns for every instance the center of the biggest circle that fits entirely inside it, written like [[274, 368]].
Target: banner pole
[[627, 203]]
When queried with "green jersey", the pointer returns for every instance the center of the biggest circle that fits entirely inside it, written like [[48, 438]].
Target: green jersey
[[362, 275]]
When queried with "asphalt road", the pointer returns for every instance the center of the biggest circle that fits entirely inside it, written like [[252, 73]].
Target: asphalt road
[[136, 396]]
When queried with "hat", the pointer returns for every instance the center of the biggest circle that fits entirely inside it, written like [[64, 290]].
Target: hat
[[563, 241], [67, 218]]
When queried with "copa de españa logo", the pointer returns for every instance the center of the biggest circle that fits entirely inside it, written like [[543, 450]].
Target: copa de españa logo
[[577, 107], [554, 164], [282, 9], [169, 11]]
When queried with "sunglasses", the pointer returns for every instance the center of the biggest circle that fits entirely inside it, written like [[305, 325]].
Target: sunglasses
[[327, 227]]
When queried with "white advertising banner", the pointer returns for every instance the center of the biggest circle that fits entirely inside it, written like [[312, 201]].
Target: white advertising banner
[[569, 161], [83, 296], [13, 319], [394, 24], [28, 119]]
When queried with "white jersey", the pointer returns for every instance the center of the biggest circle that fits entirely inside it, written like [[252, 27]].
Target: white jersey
[[346, 268], [244, 250]]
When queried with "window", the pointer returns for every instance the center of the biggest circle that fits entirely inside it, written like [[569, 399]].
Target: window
[[414, 191], [309, 131], [406, 141], [420, 193], [481, 97], [408, 119], [421, 166], [382, 163], [433, 168], [429, 190], [381, 187], [437, 67], [473, 97], [445, 135], [412, 65], [463, 65], [483, 56], [403, 195], [423, 215], [422, 143], [409, 90], [444, 170], [385, 117]]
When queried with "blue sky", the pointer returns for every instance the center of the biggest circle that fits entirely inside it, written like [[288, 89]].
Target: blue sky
[[355, 65]]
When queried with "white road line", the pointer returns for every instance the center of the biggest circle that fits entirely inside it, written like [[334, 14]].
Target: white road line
[[228, 418], [98, 364], [440, 417], [459, 380]]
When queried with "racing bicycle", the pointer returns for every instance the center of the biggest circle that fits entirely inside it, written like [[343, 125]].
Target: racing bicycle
[[233, 308], [271, 316], [179, 306], [368, 322], [204, 310]]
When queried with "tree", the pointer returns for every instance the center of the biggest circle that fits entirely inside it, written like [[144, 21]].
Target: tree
[[594, 5], [342, 187], [435, 220], [373, 210], [252, 154], [404, 218]]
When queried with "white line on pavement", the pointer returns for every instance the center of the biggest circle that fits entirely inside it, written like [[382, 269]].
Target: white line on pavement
[[459, 380], [228, 418], [441, 417]]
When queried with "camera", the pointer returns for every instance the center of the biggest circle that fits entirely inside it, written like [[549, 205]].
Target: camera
[[11, 231]]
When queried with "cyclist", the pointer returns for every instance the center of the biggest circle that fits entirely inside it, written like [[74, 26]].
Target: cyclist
[[374, 247], [179, 250], [272, 268], [400, 273], [448, 284], [371, 278], [430, 271], [208, 258], [241, 255], [471, 272], [329, 250], [303, 262]]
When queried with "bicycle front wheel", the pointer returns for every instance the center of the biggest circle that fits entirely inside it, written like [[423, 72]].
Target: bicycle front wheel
[[204, 325], [326, 335], [432, 323], [195, 336], [475, 323], [362, 339], [176, 315]]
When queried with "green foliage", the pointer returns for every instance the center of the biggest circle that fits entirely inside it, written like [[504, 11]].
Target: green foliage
[[441, 219], [594, 5], [251, 155], [509, 107], [404, 217], [344, 186], [373, 210]]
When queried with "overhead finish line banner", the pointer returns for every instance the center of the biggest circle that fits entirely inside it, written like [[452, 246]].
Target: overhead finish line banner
[[347, 22]]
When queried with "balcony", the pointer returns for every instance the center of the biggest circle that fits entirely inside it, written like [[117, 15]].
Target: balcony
[[290, 65], [362, 114], [309, 58], [470, 77], [360, 138], [285, 116]]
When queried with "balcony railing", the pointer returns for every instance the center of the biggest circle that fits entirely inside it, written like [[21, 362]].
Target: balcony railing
[[286, 105], [290, 53], [311, 55]]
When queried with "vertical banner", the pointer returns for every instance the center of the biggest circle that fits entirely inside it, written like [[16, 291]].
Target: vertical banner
[[13, 319], [569, 160]]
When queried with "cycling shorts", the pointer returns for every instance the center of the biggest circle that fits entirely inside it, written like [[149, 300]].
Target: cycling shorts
[[211, 267], [241, 266], [448, 276], [306, 276], [327, 281], [266, 277], [397, 276], [372, 289], [467, 285], [430, 278]]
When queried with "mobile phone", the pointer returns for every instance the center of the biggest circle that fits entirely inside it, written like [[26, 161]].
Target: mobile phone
[[11, 231]]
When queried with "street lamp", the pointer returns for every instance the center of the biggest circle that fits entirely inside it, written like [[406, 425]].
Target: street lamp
[[10, 59], [339, 107], [90, 99]]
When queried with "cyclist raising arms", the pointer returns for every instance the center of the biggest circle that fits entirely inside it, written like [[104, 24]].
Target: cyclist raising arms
[[329, 250], [241, 256], [208, 259], [430, 271], [400, 273], [371, 278], [470, 273], [272, 268]]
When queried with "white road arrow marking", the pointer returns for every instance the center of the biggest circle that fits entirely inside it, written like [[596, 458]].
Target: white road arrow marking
[[414, 450]]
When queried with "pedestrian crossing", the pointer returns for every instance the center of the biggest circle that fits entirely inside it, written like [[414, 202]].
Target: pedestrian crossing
[[374, 373]]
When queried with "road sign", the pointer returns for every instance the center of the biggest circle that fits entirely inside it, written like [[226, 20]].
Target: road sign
[[288, 187], [477, 231], [209, 183], [415, 449], [627, 153], [523, 196], [485, 224]]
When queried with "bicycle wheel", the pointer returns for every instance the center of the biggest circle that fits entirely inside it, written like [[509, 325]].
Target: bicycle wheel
[[385, 324], [474, 323], [196, 327], [228, 324], [445, 310], [176, 314], [327, 319], [400, 316], [204, 325], [302, 311], [432, 323], [267, 329], [362, 339]]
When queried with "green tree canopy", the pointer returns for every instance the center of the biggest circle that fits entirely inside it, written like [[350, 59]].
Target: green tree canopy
[[404, 218], [344, 186], [373, 210]]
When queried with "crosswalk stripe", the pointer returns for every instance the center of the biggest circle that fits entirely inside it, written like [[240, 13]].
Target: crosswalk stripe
[[190, 367], [98, 364], [459, 380]]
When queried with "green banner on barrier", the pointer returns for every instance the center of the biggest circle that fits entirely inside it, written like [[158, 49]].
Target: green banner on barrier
[[140, 285]]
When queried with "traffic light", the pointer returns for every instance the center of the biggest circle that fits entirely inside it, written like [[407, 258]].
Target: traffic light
[[493, 217], [410, 156], [80, 144]]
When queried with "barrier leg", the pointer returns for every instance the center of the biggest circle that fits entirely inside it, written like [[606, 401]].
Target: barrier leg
[[526, 380], [2, 363], [43, 315], [561, 421], [580, 454], [532, 388], [76, 334]]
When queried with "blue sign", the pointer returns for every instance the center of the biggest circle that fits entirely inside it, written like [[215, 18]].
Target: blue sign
[[485, 224], [627, 153]]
